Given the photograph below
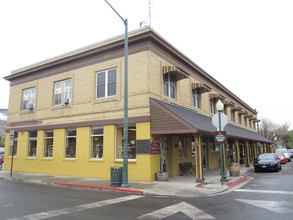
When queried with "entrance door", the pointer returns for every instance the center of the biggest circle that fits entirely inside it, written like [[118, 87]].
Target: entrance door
[[164, 154]]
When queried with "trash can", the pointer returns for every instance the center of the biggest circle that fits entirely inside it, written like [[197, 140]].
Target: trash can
[[116, 176]]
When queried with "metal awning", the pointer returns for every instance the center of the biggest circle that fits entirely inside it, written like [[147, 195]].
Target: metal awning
[[169, 118], [180, 74]]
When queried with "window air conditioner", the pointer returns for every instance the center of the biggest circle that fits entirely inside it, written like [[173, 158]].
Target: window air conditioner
[[66, 101], [30, 106]]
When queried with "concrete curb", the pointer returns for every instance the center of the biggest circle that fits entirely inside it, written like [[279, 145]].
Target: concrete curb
[[106, 188]]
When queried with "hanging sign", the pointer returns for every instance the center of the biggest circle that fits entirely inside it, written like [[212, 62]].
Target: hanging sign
[[220, 137]]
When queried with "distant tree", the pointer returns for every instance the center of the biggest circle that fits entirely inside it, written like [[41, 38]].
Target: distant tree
[[279, 134]]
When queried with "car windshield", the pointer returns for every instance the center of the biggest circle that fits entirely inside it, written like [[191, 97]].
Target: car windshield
[[266, 157], [282, 150]]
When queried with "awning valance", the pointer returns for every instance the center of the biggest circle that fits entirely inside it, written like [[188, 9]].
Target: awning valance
[[203, 88], [236, 108], [228, 103], [180, 74], [214, 95]]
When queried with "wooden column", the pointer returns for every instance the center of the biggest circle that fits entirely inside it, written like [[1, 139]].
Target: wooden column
[[198, 159], [247, 159], [237, 151]]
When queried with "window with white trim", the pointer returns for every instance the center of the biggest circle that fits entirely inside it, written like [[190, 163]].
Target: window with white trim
[[97, 142], [169, 84], [32, 144], [70, 151], [106, 83], [48, 143], [28, 98], [62, 92], [131, 143]]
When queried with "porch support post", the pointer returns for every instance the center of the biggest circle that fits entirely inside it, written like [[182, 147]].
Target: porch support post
[[237, 152], [254, 149], [198, 159], [247, 159]]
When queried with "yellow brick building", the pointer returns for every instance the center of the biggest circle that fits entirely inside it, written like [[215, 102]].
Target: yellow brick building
[[66, 113]]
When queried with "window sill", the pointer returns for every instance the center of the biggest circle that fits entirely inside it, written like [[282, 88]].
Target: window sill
[[121, 161], [47, 158], [30, 158], [96, 160], [69, 159]]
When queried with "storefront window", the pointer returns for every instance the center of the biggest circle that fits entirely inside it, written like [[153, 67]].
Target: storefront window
[[48, 147], [131, 143], [70, 143], [32, 144], [97, 140], [182, 147], [13, 148]]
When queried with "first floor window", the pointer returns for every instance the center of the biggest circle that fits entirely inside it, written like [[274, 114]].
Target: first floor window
[[106, 83], [97, 142], [131, 143], [169, 84], [32, 144], [182, 147], [70, 151], [48, 148], [28, 98], [13, 148]]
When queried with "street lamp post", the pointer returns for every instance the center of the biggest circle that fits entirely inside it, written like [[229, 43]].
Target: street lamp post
[[220, 107], [125, 123]]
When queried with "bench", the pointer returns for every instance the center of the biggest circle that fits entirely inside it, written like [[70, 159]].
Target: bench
[[185, 168]]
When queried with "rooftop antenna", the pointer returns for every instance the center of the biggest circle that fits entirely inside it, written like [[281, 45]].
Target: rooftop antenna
[[150, 13]]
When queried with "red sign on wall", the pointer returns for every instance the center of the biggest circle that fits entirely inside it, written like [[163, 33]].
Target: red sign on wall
[[155, 147]]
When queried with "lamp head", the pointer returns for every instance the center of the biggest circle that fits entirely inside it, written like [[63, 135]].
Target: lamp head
[[219, 105]]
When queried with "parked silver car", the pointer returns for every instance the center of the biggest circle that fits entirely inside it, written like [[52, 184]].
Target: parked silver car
[[286, 153]]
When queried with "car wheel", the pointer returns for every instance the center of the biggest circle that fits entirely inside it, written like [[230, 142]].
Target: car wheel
[[256, 170]]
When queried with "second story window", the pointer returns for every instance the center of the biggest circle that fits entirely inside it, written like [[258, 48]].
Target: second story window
[[106, 83], [28, 98], [196, 98], [232, 115], [213, 106], [239, 119], [62, 92], [169, 85]]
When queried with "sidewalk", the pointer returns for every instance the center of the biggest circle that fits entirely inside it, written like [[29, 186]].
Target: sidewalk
[[175, 186]]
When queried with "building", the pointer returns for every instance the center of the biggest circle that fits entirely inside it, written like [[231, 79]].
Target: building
[[66, 113]]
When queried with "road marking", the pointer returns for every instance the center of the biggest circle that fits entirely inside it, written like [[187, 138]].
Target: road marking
[[274, 206], [189, 210], [57, 212], [265, 191]]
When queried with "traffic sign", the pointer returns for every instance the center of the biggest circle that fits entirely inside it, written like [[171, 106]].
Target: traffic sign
[[224, 120]]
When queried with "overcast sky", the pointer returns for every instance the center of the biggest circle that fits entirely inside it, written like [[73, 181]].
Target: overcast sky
[[246, 45]]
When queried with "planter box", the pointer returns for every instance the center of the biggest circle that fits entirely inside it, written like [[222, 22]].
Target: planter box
[[162, 176]]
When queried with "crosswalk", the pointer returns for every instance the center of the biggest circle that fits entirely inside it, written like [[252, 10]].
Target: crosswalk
[[181, 207]]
